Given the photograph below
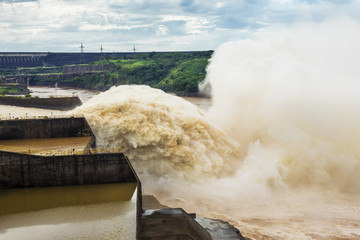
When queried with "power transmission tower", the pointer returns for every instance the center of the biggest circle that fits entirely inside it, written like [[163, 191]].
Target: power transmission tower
[[102, 53], [81, 53], [82, 48], [134, 49]]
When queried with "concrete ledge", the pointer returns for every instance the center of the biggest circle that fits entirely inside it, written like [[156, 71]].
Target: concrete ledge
[[220, 230], [44, 128], [22, 170], [172, 223], [61, 103], [19, 170]]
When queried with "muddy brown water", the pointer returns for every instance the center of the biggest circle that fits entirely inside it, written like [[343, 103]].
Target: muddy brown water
[[43, 144], [293, 215], [73, 212], [22, 200]]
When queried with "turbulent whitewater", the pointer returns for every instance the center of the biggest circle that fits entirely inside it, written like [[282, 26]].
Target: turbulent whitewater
[[164, 135], [276, 153]]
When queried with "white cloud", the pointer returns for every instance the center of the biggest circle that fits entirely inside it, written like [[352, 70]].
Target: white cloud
[[59, 25], [219, 4], [162, 30]]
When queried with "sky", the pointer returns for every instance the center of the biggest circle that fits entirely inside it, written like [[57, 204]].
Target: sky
[[152, 25]]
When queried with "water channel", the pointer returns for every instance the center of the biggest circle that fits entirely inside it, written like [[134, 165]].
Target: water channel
[[301, 214]]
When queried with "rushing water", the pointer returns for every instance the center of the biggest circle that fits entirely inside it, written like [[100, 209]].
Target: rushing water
[[173, 145], [258, 213], [277, 154]]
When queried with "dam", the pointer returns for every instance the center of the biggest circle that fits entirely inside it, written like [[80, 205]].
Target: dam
[[56, 103], [38, 59], [53, 163]]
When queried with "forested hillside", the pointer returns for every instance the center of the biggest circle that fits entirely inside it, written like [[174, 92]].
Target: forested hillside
[[178, 72]]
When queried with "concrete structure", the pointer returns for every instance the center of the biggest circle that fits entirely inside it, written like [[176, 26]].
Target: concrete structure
[[23, 170], [13, 60], [28, 171], [56, 103], [38, 59], [153, 221], [218, 229], [171, 223], [45, 128], [43, 79], [21, 79]]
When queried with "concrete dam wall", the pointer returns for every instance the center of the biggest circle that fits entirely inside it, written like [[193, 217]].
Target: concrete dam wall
[[44, 128], [38, 59], [56, 103], [22, 170], [15, 60], [56, 175]]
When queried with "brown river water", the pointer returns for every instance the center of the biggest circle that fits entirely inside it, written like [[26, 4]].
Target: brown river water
[[298, 213], [43, 144]]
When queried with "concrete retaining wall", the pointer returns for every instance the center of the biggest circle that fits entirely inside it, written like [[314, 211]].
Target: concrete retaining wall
[[44, 128], [38, 59], [21, 170], [56, 103], [21, 60], [171, 223]]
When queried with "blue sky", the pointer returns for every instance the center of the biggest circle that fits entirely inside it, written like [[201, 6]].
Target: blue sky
[[152, 25]]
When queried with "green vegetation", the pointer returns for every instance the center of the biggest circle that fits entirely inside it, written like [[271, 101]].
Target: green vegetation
[[20, 97], [171, 72], [185, 77], [39, 70], [6, 71], [12, 89]]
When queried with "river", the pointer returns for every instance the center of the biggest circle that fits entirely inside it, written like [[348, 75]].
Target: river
[[300, 213]]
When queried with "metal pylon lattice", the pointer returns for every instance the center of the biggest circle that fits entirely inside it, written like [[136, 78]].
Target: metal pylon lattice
[[82, 53], [82, 48]]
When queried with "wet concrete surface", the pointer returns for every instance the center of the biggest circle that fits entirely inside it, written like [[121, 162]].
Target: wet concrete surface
[[162, 222]]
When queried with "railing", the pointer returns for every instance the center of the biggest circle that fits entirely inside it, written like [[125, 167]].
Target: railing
[[60, 152]]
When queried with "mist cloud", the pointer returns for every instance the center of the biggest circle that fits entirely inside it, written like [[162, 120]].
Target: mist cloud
[[291, 100]]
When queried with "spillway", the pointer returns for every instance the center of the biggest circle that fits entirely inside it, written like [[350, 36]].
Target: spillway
[[94, 193]]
